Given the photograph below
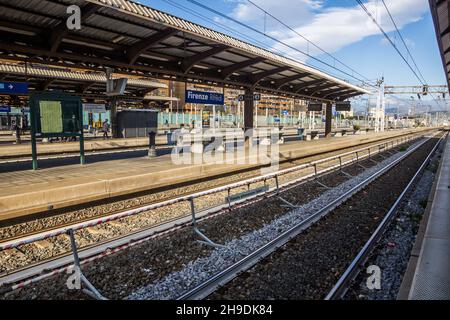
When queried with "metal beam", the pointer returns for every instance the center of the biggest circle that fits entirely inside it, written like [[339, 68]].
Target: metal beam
[[342, 98], [278, 84], [308, 84], [282, 82], [46, 84], [187, 63], [342, 93], [321, 88], [134, 51], [61, 30], [143, 93], [85, 87], [226, 72], [332, 91], [254, 79]]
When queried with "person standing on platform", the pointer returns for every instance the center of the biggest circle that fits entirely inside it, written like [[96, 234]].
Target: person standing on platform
[[105, 129]]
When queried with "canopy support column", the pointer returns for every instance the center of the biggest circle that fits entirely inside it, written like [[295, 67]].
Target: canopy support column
[[328, 120], [249, 109]]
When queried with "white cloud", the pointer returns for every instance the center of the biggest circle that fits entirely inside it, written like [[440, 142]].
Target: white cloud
[[291, 11], [331, 28], [335, 28]]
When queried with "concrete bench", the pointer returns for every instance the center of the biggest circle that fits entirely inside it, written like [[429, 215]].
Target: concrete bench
[[313, 135]]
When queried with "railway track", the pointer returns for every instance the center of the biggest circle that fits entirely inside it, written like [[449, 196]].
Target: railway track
[[341, 287], [89, 254], [47, 221], [221, 280]]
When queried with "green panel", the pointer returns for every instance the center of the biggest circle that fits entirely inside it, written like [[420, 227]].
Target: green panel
[[71, 117], [51, 116]]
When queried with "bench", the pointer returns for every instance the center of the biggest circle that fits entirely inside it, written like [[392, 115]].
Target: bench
[[313, 135]]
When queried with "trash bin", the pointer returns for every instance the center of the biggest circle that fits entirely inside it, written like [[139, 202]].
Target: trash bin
[[300, 132], [152, 144]]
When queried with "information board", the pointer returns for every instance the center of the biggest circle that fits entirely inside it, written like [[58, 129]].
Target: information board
[[343, 106], [315, 106], [55, 115], [94, 108], [51, 116]]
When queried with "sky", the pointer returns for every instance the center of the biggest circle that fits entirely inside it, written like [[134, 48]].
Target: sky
[[341, 28]]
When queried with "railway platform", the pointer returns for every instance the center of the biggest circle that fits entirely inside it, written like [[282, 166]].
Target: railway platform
[[28, 192], [428, 273], [11, 151]]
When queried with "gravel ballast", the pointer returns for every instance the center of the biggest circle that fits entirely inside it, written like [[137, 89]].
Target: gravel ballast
[[309, 266], [170, 266], [393, 251]]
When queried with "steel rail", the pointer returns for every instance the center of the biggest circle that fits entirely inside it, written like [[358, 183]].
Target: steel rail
[[212, 284], [35, 273], [98, 221], [341, 286]]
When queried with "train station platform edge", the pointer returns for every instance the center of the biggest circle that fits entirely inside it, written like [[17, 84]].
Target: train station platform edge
[[24, 150], [28, 192], [8, 151], [428, 273]]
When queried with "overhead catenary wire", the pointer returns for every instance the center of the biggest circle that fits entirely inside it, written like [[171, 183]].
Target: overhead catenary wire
[[365, 82], [361, 4], [307, 40], [223, 15], [234, 31], [403, 40], [407, 48]]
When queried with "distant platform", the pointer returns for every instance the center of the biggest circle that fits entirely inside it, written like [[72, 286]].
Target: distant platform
[[8, 151], [428, 275], [28, 192]]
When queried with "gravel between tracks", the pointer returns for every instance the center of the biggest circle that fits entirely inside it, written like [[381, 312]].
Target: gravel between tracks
[[44, 250], [309, 266], [64, 216], [120, 275], [394, 249]]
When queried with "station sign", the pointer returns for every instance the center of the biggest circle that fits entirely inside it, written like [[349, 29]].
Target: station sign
[[55, 115], [200, 97], [343, 106], [246, 97], [13, 88], [5, 109], [315, 106], [285, 112], [94, 108]]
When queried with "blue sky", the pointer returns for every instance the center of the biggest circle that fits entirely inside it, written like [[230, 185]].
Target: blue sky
[[340, 27]]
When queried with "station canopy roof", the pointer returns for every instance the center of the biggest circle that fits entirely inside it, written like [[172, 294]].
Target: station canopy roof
[[440, 11], [136, 39], [86, 83]]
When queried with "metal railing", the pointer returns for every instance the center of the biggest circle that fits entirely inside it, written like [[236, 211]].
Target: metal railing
[[355, 157]]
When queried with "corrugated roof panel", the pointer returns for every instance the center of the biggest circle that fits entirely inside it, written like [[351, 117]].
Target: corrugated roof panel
[[230, 56], [135, 9], [97, 34], [216, 62], [70, 75], [171, 51]]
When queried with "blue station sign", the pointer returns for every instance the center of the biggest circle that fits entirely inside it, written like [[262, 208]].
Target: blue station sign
[[13, 88], [5, 109], [200, 97]]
